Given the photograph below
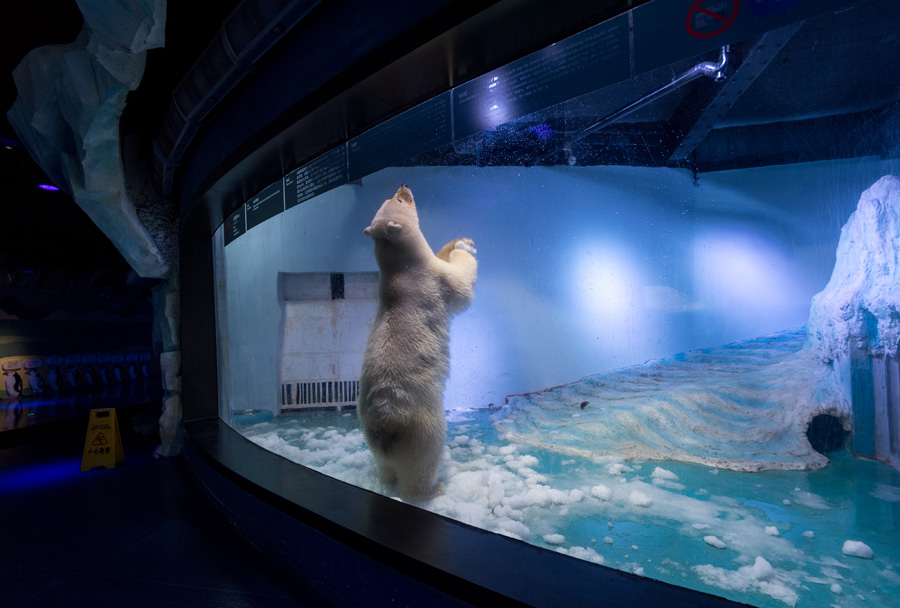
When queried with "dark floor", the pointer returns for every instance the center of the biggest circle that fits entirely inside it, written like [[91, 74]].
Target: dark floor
[[142, 534]]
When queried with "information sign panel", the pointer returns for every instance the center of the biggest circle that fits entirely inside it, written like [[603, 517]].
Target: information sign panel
[[235, 225], [316, 177], [265, 205], [418, 130]]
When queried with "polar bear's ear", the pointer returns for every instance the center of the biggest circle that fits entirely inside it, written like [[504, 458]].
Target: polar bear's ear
[[393, 231], [404, 195]]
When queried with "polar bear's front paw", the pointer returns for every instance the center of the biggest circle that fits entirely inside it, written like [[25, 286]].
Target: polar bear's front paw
[[465, 245]]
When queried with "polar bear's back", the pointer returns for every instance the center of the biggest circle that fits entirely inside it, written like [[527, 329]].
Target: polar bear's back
[[407, 355]]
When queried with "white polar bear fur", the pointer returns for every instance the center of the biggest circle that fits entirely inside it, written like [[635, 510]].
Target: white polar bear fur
[[407, 358]]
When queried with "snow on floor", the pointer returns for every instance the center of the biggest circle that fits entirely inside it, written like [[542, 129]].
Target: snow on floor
[[744, 406], [677, 522]]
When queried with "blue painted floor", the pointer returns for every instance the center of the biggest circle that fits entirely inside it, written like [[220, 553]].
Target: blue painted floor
[[142, 534]]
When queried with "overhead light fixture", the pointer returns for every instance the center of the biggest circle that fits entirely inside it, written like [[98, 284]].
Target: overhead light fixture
[[47, 187]]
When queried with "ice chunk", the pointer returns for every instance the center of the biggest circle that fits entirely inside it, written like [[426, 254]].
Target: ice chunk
[[554, 539], [813, 501], [585, 553], [833, 562], [664, 478], [857, 549], [837, 589], [714, 541], [832, 573], [762, 570], [640, 499], [809, 534], [514, 528], [890, 575], [660, 473], [772, 531], [744, 580], [522, 462], [602, 492], [618, 469], [885, 492]]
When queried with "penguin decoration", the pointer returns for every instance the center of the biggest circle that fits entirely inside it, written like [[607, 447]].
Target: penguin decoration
[[72, 376], [54, 379], [89, 375], [13, 383], [36, 382]]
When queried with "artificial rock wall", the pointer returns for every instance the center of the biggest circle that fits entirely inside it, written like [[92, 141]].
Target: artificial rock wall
[[854, 323], [70, 100]]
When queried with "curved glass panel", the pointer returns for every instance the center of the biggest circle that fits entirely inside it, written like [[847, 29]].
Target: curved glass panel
[[680, 359]]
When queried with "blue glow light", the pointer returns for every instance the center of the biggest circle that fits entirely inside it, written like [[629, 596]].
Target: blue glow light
[[27, 477], [543, 131], [47, 187]]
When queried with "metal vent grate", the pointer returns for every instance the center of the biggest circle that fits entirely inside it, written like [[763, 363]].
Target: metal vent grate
[[317, 394]]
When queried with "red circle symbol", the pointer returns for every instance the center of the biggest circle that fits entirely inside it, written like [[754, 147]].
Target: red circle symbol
[[708, 18]]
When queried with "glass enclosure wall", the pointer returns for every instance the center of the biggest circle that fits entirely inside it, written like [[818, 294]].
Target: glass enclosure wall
[[581, 269], [646, 377]]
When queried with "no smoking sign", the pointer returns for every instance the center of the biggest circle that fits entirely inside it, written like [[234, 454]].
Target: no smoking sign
[[709, 18]]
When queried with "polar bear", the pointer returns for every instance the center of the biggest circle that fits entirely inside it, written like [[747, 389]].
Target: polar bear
[[407, 357]]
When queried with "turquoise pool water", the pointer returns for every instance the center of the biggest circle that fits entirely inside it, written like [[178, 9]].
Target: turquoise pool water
[[769, 538]]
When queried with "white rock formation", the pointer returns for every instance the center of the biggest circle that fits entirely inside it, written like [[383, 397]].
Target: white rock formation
[[166, 332], [854, 323], [70, 98], [860, 306]]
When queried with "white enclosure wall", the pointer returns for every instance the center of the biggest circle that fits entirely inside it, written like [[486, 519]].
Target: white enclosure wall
[[581, 269], [321, 353]]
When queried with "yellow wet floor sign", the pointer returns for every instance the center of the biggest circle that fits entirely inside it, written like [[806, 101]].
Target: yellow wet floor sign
[[103, 443]]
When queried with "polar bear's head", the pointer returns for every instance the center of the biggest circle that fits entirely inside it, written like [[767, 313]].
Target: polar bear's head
[[396, 217]]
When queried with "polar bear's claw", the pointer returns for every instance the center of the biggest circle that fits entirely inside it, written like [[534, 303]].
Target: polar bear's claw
[[466, 245]]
